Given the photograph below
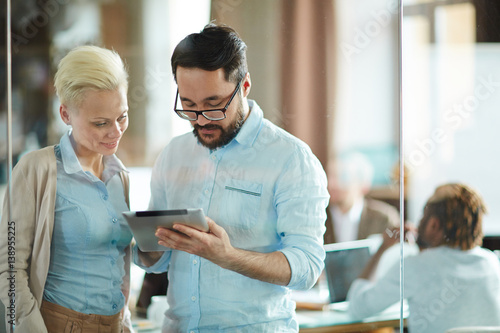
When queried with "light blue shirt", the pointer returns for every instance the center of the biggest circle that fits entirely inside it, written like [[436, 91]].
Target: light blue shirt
[[444, 287], [90, 235], [268, 191]]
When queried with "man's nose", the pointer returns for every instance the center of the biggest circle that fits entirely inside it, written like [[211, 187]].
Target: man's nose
[[202, 121]]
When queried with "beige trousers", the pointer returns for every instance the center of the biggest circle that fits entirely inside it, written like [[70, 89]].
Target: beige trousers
[[59, 319]]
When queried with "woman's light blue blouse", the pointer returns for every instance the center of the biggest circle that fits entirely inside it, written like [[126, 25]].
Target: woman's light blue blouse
[[90, 235]]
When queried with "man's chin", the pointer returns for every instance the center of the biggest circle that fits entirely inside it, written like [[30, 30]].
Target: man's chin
[[209, 141], [218, 138]]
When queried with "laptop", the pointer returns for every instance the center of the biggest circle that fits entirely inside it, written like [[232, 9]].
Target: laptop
[[344, 262]]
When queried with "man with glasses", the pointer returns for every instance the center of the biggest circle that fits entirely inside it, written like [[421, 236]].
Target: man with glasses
[[263, 191]]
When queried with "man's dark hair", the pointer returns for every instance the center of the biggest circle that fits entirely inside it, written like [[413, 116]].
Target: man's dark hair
[[216, 46]]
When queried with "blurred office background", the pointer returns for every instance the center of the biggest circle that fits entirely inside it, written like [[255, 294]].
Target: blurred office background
[[325, 70]]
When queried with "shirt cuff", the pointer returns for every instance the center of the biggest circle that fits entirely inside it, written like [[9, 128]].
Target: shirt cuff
[[159, 267], [305, 271]]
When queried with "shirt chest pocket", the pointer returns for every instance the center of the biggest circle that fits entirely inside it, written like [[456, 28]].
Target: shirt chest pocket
[[241, 203]]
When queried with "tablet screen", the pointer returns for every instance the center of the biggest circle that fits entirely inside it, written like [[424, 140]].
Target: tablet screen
[[144, 224]]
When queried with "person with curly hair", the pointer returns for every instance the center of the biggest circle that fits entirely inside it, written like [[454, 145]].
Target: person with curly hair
[[452, 282]]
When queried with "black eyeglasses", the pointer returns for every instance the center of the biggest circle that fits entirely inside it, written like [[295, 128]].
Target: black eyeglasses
[[212, 114]]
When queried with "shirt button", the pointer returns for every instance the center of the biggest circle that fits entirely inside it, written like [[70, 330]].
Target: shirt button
[[115, 220], [195, 262], [105, 197], [207, 192], [193, 298], [214, 157]]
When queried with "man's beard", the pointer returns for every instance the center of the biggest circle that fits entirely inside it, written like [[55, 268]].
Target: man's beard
[[225, 135], [421, 241]]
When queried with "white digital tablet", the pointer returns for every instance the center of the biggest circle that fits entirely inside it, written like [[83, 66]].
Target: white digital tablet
[[144, 224]]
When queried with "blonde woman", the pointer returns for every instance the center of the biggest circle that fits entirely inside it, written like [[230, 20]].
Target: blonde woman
[[71, 267]]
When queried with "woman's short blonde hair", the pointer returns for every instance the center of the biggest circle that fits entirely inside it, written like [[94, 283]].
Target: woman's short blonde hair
[[88, 68]]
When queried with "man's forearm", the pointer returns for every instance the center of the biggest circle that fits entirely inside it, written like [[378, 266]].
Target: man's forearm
[[268, 267], [216, 247], [372, 264]]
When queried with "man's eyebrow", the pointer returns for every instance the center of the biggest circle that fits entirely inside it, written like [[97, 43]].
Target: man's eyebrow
[[210, 98]]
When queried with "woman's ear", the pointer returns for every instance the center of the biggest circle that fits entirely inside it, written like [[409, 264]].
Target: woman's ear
[[64, 112]]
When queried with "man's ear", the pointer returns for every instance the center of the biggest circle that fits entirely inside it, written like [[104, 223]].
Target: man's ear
[[435, 231], [246, 85], [64, 112], [433, 224]]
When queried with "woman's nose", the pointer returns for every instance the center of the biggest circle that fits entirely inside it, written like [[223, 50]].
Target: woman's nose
[[116, 131]]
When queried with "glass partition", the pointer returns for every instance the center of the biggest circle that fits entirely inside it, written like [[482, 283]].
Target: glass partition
[[450, 108], [326, 71], [451, 90]]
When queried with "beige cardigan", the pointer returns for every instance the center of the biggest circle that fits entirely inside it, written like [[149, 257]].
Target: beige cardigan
[[34, 183]]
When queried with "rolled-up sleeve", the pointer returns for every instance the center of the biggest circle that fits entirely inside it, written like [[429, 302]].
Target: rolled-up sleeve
[[158, 267], [301, 200]]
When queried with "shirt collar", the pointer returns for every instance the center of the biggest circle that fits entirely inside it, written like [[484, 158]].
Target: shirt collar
[[112, 164], [252, 125]]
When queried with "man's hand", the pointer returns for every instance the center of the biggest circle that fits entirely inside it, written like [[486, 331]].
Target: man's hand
[[392, 236], [216, 247], [213, 245]]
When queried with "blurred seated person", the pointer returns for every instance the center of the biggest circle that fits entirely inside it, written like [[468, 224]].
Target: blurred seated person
[[350, 214], [451, 282]]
